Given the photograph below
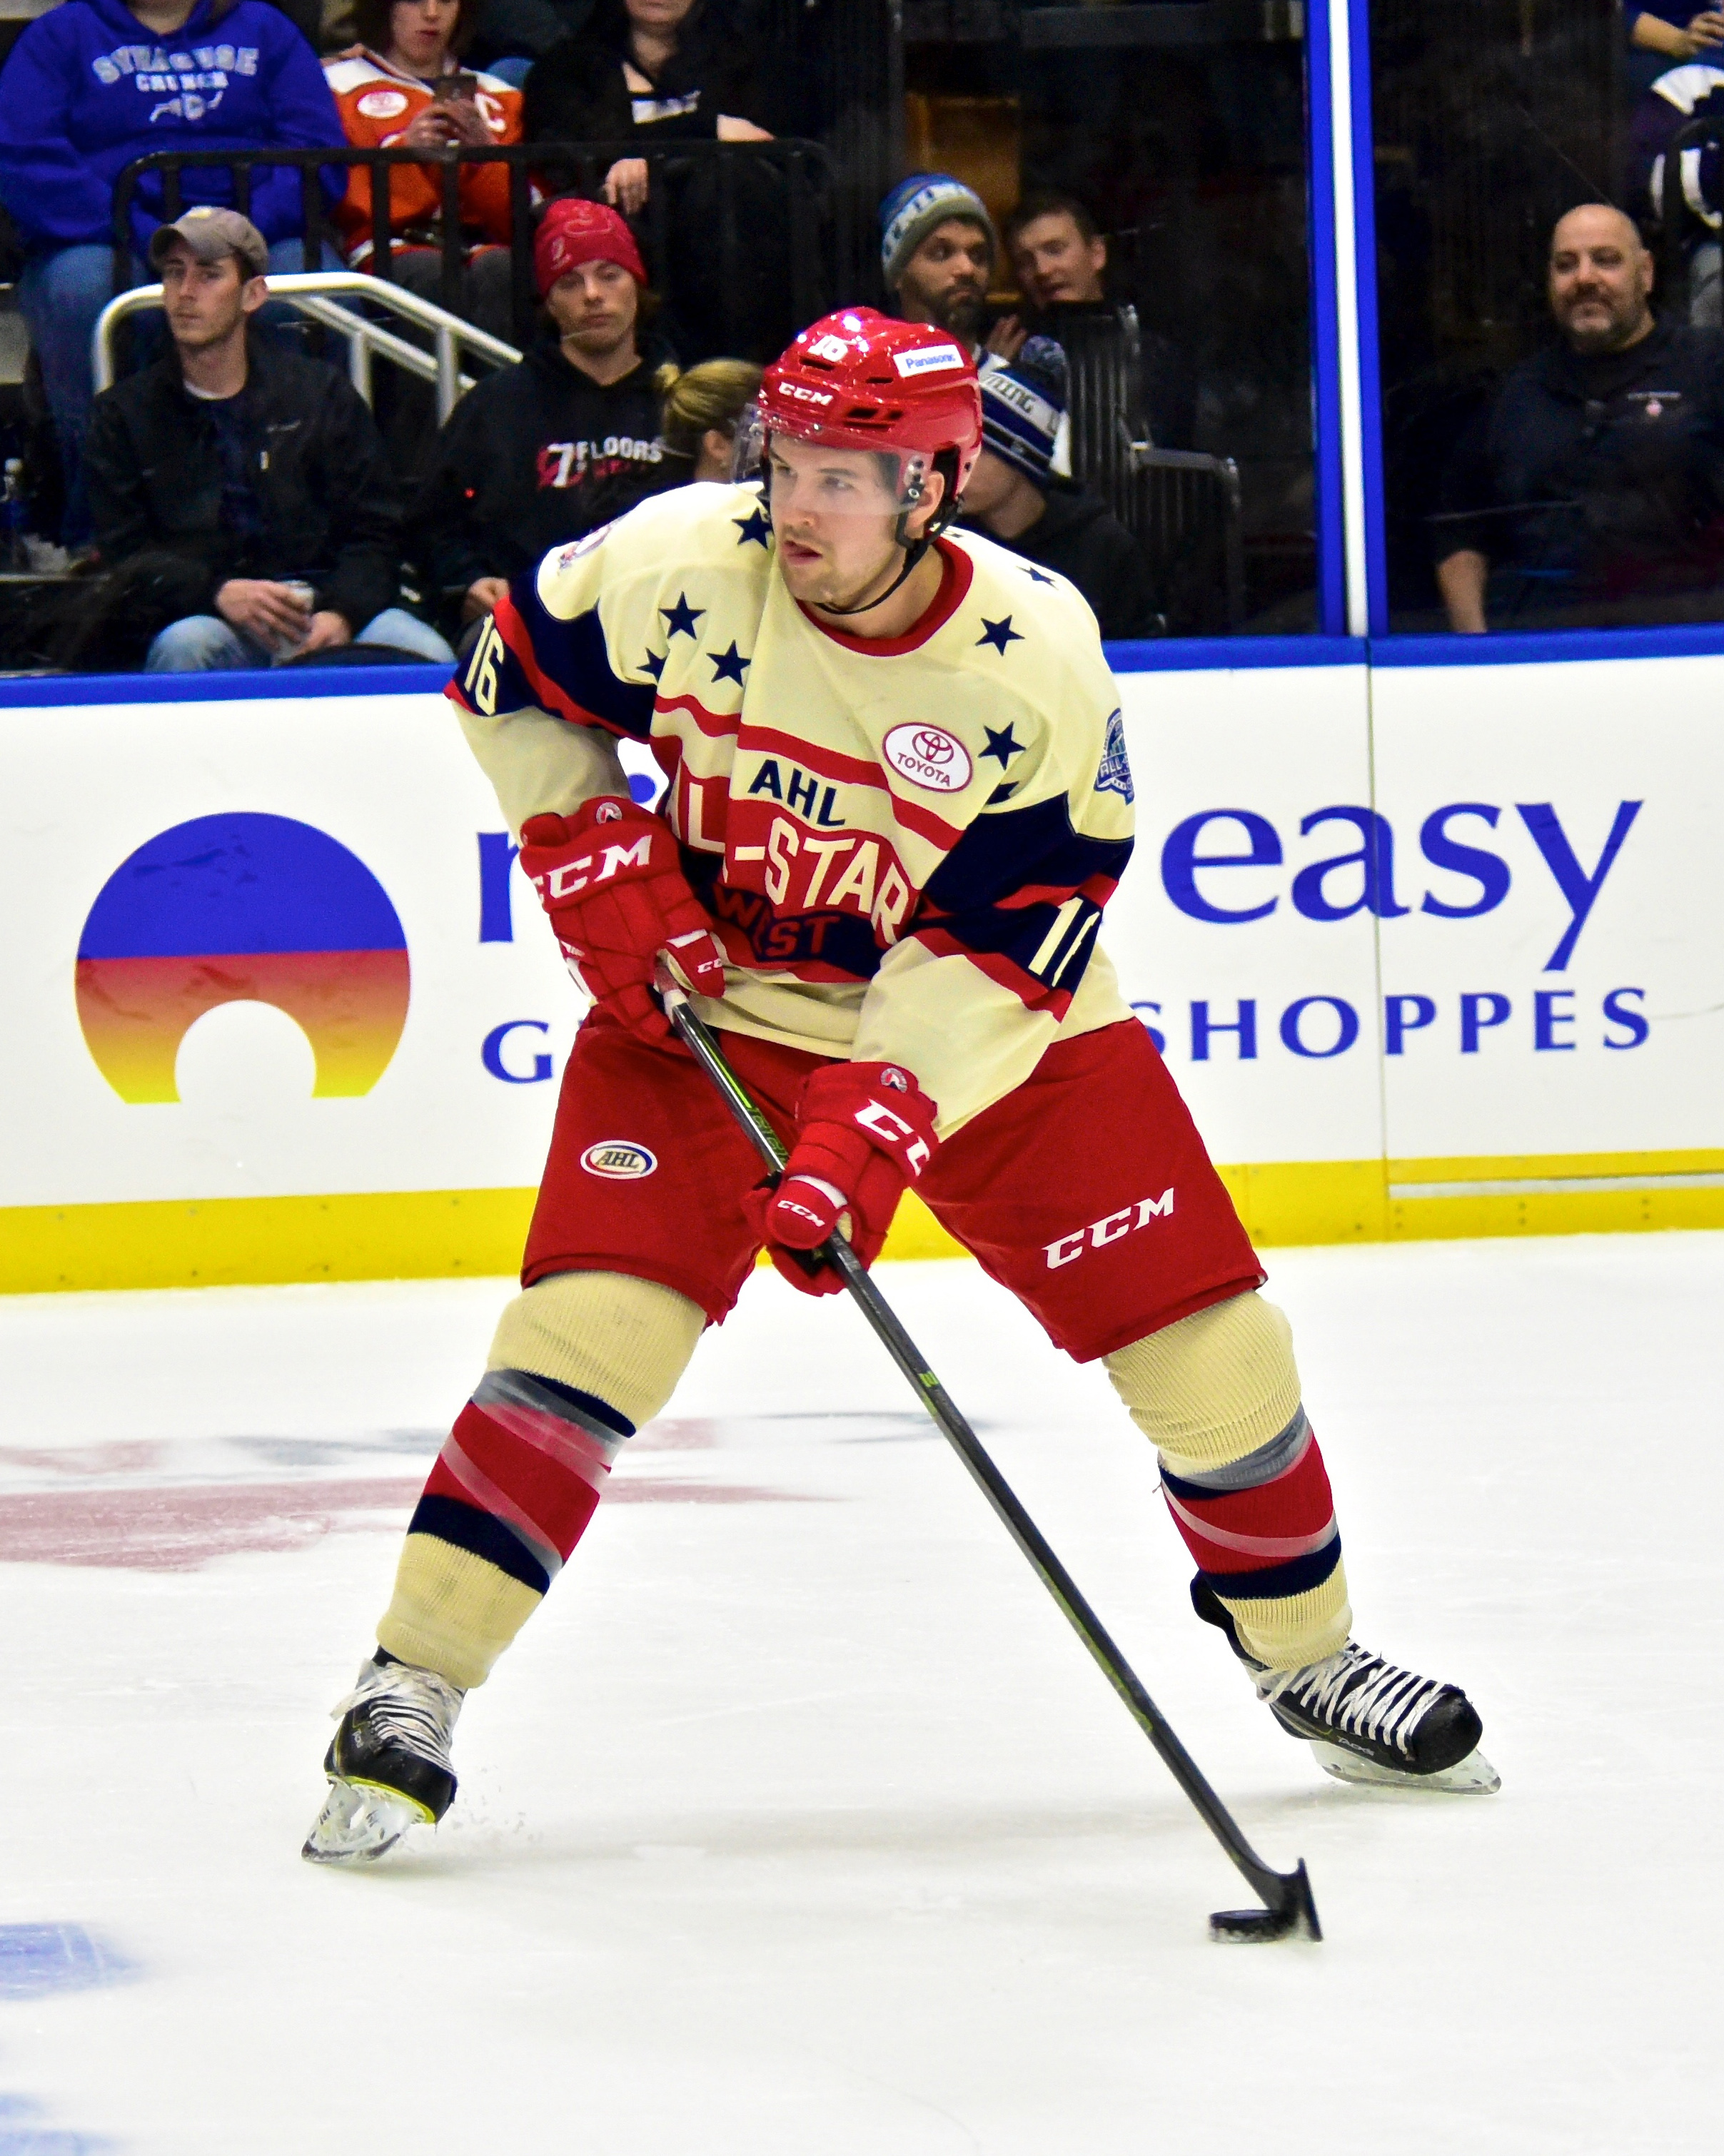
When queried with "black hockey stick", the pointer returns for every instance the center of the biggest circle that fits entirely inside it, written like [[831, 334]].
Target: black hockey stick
[[1288, 1909]]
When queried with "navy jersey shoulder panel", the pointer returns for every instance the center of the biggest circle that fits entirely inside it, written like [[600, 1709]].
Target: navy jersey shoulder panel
[[1005, 849], [572, 655]]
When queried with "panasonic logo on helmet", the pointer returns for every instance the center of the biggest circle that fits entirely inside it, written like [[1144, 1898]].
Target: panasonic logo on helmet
[[925, 362]]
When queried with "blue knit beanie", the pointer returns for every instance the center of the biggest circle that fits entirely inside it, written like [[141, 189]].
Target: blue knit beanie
[[1022, 405], [915, 207]]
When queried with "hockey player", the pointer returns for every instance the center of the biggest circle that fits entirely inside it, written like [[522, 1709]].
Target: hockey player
[[897, 798]]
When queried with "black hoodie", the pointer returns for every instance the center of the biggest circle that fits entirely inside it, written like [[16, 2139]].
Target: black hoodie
[[1081, 538], [533, 456]]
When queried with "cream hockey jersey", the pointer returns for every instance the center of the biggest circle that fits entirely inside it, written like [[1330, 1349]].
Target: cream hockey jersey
[[905, 845]]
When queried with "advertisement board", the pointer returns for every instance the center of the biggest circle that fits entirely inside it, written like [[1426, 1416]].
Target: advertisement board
[[1429, 950]]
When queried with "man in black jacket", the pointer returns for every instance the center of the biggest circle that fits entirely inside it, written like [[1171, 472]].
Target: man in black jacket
[[541, 453], [1013, 496], [1592, 493], [258, 472]]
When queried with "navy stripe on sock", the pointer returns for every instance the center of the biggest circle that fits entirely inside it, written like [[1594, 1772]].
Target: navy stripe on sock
[[587, 1404], [585, 1410], [482, 1535], [1297, 1577]]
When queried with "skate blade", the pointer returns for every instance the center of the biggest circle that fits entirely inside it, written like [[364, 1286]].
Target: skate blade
[[358, 1822], [1472, 1777]]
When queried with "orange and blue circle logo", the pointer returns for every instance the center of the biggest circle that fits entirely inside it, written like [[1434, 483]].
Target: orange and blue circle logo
[[241, 908]]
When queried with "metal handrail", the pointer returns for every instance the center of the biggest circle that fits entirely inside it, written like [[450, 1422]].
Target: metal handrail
[[307, 291], [806, 168], [1145, 458]]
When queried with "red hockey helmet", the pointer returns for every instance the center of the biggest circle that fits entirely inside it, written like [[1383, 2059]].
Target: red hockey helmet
[[858, 380]]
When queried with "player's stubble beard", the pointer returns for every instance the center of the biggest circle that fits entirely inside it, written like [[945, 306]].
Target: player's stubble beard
[[830, 588], [876, 585]]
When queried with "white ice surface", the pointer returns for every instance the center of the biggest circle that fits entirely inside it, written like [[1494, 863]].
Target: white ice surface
[[797, 1824]]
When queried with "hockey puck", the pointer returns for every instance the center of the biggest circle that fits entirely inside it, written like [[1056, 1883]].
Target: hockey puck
[[1246, 1927]]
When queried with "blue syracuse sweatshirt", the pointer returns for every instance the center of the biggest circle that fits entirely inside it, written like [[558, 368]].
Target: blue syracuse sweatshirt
[[88, 88]]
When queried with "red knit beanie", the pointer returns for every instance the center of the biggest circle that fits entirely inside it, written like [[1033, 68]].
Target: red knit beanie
[[576, 232]]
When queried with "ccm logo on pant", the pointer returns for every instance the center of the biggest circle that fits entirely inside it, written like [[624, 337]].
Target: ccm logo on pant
[[1123, 1223]]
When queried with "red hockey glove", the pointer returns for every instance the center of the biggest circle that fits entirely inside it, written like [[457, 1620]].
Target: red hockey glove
[[863, 1130], [610, 880]]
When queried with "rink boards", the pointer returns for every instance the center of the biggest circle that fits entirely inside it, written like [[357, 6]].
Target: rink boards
[[1431, 950]]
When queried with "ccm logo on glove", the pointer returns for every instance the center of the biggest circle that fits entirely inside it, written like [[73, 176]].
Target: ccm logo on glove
[[612, 883], [863, 1132]]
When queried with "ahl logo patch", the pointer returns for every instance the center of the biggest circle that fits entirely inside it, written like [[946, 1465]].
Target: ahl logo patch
[[619, 1160], [1114, 775], [929, 757]]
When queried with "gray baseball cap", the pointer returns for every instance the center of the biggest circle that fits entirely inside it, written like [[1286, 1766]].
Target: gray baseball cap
[[211, 234]]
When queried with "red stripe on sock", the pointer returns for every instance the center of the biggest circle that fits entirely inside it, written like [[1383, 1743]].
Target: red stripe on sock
[[1250, 1530], [558, 1502]]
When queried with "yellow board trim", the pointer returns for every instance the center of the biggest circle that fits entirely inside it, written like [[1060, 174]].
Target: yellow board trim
[[434, 1235]]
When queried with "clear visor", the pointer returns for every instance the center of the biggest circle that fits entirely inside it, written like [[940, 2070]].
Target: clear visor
[[804, 472]]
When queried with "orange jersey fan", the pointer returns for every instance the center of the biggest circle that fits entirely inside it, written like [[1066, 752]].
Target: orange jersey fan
[[378, 104]]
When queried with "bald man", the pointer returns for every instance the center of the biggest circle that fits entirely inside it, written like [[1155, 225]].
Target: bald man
[[1593, 494]]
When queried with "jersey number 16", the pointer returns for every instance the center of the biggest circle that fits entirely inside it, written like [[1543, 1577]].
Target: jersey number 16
[[488, 654]]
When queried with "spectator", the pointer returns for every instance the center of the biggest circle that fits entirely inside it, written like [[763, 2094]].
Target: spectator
[[403, 87], [1061, 260], [1015, 498], [1592, 492], [1057, 251], [541, 453], [1679, 35], [699, 414], [1668, 33], [662, 74], [937, 249], [94, 84], [257, 469], [657, 71], [1695, 91]]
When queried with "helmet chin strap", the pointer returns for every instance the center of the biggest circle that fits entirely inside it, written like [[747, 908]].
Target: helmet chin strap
[[914, 549]]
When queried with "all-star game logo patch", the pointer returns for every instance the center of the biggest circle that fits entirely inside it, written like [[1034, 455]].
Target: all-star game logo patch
[[1114, 775]]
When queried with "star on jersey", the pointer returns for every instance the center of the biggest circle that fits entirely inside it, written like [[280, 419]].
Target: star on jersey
[[654, 663], [727, 666], [680, 619], [1001, 746], [999, 633], [1036, 576], [754, 527]]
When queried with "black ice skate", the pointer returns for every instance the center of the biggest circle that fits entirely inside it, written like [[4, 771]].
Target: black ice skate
[[1367, 1721], [388, 1766]]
